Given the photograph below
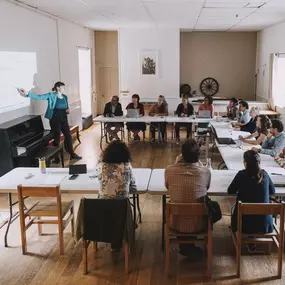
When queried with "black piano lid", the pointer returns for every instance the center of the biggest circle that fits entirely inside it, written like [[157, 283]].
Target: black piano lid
[[17, 121]]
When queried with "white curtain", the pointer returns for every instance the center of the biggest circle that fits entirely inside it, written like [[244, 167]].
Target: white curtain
[[278, 81]]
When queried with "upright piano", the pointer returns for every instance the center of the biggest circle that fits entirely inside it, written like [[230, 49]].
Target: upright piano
[[20, 141]]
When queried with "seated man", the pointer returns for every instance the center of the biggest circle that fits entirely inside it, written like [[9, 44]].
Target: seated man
[[112, 109], [275, 142], [243, 115], [187, 182]]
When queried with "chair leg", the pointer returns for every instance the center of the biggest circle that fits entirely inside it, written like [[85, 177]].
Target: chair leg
[[72, 220], [60, 237], [84, 256], [126, 258], [167, 256], [238, 254], [39, 227], [209, 257], [23, 235]]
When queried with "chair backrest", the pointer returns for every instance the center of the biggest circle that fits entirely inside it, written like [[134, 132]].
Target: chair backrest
[[260, 208], [27, 191], [185, 209], [39, 191], [104, 220]]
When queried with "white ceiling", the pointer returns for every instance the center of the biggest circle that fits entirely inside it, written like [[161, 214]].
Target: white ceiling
[[191, 15]]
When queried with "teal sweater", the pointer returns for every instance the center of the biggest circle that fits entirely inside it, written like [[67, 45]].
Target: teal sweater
[[51, 98]]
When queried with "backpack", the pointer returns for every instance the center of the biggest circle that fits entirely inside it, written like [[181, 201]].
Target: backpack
[[213, 210]]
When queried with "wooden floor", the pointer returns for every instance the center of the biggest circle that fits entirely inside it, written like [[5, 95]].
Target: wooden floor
[[44, 265]]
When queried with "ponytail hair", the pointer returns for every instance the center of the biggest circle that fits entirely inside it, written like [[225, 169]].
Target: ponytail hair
[[57, 85], [252, 161]]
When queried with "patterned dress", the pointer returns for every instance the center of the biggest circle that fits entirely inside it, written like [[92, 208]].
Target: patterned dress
[[116, 180]]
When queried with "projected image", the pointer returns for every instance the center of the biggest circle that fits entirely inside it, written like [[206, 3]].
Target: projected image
[[17, 69]]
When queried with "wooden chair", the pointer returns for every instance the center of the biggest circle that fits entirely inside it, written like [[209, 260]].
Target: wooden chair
[[192, 209], [97, 229], [56, 209], [276, 237]]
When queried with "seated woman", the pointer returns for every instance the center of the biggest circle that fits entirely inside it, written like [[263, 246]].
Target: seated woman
[[232, 109], [116, 176], [251, 125], [115, 171], [263, 125], [158, 109], [252, 185], [207, 105], [134, 127], [184, 109]]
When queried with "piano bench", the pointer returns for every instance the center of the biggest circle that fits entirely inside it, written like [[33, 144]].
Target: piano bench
[[73, 130], [51, 152]]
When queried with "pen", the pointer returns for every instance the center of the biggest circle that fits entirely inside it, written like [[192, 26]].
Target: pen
[[276, 174]]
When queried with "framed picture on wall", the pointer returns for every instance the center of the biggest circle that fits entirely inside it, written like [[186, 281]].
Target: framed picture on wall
[[149, 62]]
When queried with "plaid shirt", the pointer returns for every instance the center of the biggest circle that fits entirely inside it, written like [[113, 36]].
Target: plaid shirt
[[186, 183]]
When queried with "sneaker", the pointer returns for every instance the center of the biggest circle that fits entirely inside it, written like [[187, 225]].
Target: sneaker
[[178, 141], [74, 156], [152, 140], [137, 138]]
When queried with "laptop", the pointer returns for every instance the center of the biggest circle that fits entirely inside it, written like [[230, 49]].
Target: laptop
[[76, 169], [133, 113], [223, 140], [204, 114]]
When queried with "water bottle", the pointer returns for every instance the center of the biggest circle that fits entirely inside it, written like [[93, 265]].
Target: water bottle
[[42, 165]]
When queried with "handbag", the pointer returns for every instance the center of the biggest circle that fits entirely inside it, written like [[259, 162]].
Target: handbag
[[213, 210]]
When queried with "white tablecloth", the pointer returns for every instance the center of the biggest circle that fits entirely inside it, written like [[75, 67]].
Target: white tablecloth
[[83, 184], [220, 181]]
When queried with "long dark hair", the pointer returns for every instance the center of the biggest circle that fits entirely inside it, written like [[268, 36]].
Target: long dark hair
[[116, 152], [136, 96], [252, 166], [265, 124], [57, 85], [210, 99]]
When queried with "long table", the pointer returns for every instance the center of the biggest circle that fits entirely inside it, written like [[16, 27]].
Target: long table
[[146, 119], [233, 154], [83, 184], [220, 181]]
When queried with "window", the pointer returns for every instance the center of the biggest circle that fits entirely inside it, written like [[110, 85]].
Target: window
[[278, 80]]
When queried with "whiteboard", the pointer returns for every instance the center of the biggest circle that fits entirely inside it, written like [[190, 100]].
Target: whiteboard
[[17, 69]]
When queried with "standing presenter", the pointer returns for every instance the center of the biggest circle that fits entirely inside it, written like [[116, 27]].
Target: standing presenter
[[56, 113]]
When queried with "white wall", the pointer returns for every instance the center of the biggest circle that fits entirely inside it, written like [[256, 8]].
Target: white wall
[[270, 40], [55, 41], [167, 43], [230, 58]]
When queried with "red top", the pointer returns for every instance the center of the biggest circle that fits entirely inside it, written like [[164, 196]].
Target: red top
[[209, 108], [140, 106]]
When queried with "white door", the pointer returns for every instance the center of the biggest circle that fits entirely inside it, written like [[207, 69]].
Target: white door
[[85, 81]]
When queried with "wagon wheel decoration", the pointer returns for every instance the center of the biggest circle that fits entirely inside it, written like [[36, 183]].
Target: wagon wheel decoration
[[209, 86]]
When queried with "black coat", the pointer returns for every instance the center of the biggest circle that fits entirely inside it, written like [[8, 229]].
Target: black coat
[[108, 110], [180, 110], [250, 126]]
